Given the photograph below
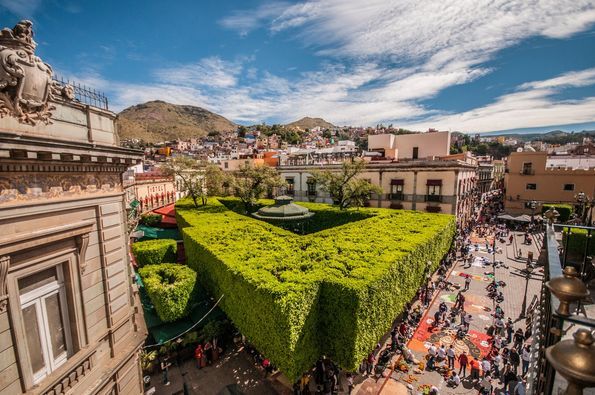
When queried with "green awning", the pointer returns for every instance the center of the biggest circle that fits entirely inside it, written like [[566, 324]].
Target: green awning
[[152, 233]]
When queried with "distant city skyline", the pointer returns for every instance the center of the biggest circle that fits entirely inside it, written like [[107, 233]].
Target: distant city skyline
[[520, 65]]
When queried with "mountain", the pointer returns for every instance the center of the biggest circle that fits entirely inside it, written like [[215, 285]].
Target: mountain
[[157, 121], [309, 123]]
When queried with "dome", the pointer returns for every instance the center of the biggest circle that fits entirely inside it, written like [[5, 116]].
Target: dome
[[283, 210]]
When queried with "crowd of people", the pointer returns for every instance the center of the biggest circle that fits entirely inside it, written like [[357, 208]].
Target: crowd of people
[[509, 354]]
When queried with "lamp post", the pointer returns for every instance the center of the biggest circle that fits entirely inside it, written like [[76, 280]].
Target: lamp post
[[532, 205], [528, 271]]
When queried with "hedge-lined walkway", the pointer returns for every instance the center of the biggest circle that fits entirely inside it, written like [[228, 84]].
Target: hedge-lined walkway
[[480, 306]]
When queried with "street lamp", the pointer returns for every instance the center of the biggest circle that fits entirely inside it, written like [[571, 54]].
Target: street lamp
[[528, 271], [532, 205]]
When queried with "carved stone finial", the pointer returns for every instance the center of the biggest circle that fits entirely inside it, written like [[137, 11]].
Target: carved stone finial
[[25, 80]]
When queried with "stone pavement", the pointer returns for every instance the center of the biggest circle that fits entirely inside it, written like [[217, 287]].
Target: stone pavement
[[479, 305], [234, 368]]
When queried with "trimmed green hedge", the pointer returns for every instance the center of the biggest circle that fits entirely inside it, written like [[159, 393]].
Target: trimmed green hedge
[[578, 241], [565, 210], [152, 252], [335, 292], [170, 287]]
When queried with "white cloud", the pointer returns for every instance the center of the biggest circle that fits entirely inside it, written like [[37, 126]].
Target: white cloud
[[244, 21], [533, 105], [399, 53], [21, 8], [212, 71]]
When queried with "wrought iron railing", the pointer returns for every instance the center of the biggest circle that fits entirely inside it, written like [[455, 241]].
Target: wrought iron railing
[[548, 325], [84, 94]]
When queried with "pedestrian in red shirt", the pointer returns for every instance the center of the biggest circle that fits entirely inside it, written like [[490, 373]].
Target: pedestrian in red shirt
[[463, 361]]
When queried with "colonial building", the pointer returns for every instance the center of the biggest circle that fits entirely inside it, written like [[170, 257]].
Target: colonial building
[[546, 179], [444, 186], [69, 316]]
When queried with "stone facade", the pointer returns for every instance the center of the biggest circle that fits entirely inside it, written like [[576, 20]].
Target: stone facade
[[537, 176], [70, 320], [444, 186]]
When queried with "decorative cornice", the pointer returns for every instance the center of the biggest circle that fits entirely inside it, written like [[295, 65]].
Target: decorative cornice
[[19, 241], [36, 185]]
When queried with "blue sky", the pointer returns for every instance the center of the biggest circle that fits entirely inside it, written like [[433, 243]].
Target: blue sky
[[461, 65]]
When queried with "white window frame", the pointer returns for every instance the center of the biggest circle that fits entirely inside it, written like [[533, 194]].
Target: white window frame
[[38, 298]]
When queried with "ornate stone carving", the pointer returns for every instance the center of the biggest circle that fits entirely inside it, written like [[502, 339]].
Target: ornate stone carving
[[4, 263], [39, 186], [82, 242], [25, 80]]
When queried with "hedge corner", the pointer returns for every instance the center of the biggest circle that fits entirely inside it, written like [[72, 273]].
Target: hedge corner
[[152, 252], [170, 287]]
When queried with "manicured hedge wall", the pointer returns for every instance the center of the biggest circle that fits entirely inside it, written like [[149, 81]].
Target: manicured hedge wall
[[170, 287], [334, 292], [152, 252], [565, 210], [578, 241]]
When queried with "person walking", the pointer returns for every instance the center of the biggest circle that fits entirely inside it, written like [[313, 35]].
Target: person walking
[[496, 362], [519, 338], [520, 388], [467, 321], [474, 364], [460, 301], [198, 355], [515, 360], [441, 354], [509, 330], [486, 367], [467, 282], [463, 361], [499, 326], [370, 366], [526, 358], [450, 354], [165, 364]]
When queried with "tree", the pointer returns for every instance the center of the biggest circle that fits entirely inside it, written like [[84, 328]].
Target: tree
[[251, 182], [345, 187], [191, 174], [216, 181]]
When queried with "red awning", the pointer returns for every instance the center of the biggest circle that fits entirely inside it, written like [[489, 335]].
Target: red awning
[[434, 182], [169, 210], [397, 182]]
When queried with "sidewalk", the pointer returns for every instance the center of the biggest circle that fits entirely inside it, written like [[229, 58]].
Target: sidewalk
[[479, 305]]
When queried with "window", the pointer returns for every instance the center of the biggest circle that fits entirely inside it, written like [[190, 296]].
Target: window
[[434, 193], [396, 190], [527, 168], [531, 187], [415, 152], [290, 186], [226, 165], [45, 314], [569, 187], [311, 186]]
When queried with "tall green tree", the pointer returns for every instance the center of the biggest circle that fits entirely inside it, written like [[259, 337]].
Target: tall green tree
[[191, 174], [216, 181], [251, 182], [345, 187]]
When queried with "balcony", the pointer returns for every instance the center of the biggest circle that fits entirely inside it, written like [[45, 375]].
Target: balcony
[[527, 172], [434, 198], [552, 319], [396, 196]]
